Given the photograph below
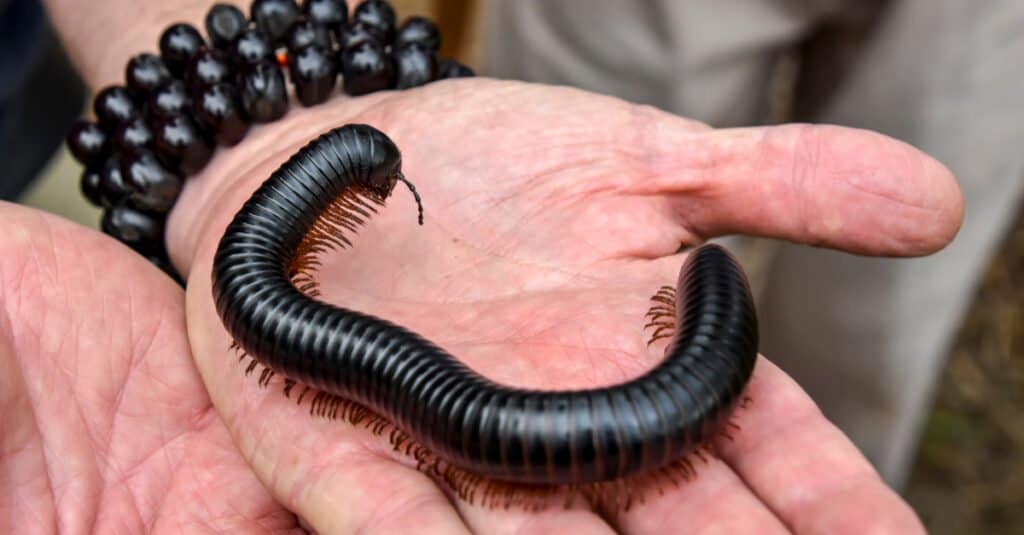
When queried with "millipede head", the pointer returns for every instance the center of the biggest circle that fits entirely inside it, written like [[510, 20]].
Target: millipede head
[[383, 164], [382, 161]]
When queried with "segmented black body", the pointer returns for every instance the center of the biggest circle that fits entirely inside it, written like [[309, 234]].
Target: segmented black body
[[495, 431]]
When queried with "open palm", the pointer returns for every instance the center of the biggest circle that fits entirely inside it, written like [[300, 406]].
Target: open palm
[[104, 424], [551, 217]]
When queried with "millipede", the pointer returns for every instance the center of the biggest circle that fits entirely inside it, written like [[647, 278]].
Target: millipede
[[486, 440]]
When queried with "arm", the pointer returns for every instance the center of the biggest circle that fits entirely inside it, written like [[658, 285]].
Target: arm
[[100, 37]]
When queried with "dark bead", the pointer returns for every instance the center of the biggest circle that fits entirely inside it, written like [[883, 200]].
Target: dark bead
[[144, 73], [90, 186], [449, 68], [314, 74], [224, 22], [135, 228], [168, 100], [113, 188], [274, 17], [378, 14], [132, 136], [366, 68], [264, 95], [153, 187], [415, 65], [357, 34], [332, 14], [180, 144], [305, 33], [207, 67], [250, 48], [219, 110], [87, 143], [113, 106], [419, 30], [177, 45]]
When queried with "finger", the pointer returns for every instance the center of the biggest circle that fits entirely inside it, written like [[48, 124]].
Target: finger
[[804, 468], [214, 490], [338, 477], [716, 500], [822, 185], [516, 520]]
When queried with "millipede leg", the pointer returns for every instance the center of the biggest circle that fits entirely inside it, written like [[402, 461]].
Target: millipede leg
[[662, 314]]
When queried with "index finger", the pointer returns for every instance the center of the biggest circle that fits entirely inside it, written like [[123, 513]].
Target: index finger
[[803, 468]]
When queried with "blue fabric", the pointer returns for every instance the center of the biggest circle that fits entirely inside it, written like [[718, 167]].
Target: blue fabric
[[40, 94], [22, 25]]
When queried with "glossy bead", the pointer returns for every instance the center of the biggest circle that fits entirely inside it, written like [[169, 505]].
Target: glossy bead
[[137, 229], [153, 187], [379, 14], [168, 100], [87, 143], [419, 30], [90, 186], [274, 17], [180, 144], [449, 68], [366, 68], [264, 95], [332, 14], [224, 22], [207, 67], [357, 34], [305, 33], [415, 65], [113, 188], [219, 110], [144, 73], [250, 48], [113, 106], [177, 45], [132, 136], [314, 75]]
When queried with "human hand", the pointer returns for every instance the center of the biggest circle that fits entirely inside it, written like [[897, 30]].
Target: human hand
[[551, 217], [105, 426]]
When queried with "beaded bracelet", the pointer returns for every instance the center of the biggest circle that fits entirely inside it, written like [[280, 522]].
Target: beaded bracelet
[[164, 123]]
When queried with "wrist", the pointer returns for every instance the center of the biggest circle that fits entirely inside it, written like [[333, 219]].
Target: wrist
[[154, 136], [100, 38]]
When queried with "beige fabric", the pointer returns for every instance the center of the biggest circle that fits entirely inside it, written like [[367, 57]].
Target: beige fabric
[[866, 337]]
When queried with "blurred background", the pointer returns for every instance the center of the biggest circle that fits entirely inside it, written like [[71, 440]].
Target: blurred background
[[969, 472]]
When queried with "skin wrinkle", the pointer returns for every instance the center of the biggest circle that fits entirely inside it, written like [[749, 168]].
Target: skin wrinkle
[[50, 456], [6, 332], [164, 447], [124, 475], [890, 198], [395, 509], [806, 167]]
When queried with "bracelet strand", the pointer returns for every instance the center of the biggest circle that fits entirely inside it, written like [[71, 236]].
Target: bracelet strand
[[164, 123]]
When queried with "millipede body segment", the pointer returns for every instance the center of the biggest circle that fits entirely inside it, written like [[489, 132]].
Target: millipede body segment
[[264, 291]]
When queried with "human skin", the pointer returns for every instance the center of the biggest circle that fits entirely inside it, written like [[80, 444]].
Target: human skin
[[551, 216]]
